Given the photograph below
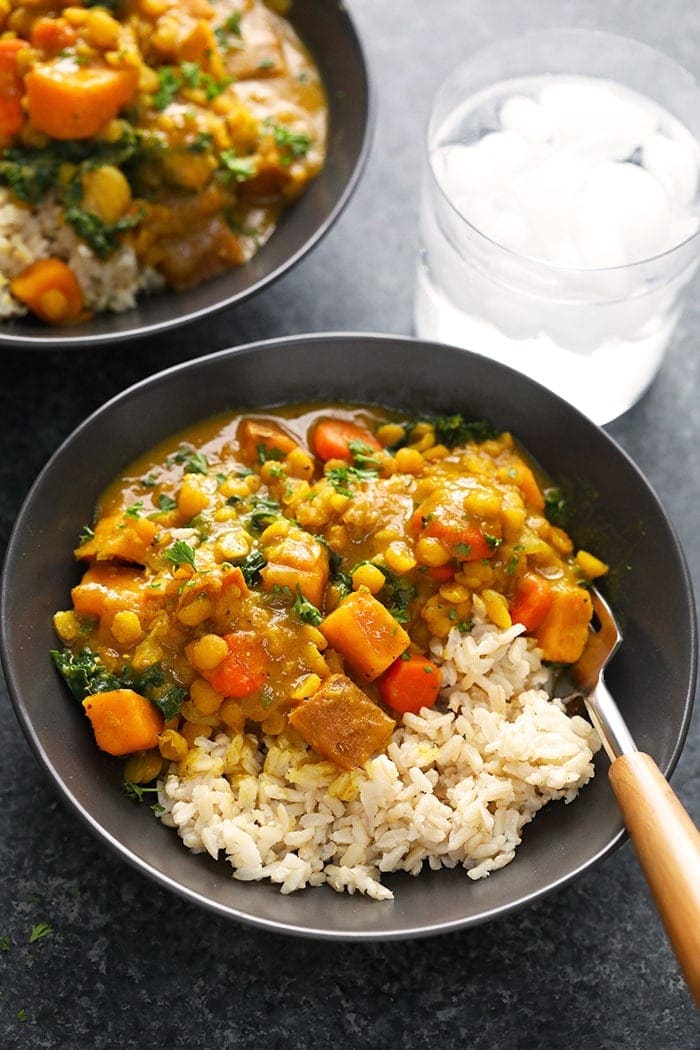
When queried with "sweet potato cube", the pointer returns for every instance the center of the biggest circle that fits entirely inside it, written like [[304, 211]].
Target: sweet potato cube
[[363, 631], [297, 560], [123, 721], [108, 588], [119, 537], [342, 724], [564, 631], [258, 438]]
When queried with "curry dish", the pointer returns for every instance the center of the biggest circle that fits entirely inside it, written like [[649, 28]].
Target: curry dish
[[290, 572], [178, 129]]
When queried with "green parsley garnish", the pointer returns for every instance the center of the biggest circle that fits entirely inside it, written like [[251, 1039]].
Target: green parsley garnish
[[237, 169], [4, 943], [41, 929], [180, 553], [292, 144], [363, 455], [166, 503], [264, 453], [193, 462], [230, 28]]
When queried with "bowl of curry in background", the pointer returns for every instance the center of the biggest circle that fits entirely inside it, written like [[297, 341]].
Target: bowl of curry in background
[[612, 511], [319, 145]]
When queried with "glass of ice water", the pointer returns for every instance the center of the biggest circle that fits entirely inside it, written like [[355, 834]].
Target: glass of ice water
[[560, 212]]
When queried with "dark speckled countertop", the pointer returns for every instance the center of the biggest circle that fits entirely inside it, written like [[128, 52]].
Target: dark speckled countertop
[[128, 965]]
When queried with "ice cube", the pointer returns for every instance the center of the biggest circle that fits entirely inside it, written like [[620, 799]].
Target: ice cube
[[621, 215], [682, 228], [526, 118], [597, 109], [508, 229], [675, 164], [544, 196]]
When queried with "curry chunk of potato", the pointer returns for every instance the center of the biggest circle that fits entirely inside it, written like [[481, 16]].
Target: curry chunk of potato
[[365, 633], [297, 560], [119, 537], [563, 633], [342, 723]]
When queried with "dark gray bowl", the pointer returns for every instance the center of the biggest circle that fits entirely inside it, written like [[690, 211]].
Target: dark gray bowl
[[328, 31], [614, 510]]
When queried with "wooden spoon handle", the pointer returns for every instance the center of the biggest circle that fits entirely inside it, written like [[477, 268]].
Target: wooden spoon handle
[[668, 847]]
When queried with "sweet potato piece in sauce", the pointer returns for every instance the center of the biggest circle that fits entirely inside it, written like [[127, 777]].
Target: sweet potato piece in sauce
[[342, 723]]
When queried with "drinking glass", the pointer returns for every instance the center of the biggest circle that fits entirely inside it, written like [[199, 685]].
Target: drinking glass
[[595, 334]]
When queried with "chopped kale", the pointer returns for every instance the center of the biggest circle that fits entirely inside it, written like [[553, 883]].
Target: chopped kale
[[452, 430], [103, 238], [263, 512], [306, 610], [85, 673], [397, 595], [555, 508], [251, 566]]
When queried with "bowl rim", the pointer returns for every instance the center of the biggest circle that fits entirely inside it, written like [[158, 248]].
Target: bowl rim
[[67, 341], [13, 553]]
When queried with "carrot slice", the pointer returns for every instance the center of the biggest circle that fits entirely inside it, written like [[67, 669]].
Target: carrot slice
[[50, 289], [11, 89], [410, 683], [243, 670], [332, 439], [123, 721]]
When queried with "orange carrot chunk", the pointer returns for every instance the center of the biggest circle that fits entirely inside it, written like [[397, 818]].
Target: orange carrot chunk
[[332, 439], [533, 600], [50, 289], [11, 88], [363, 631], [52, 35], [410, 684], [460, 534], [244, 670], [77, 103], [123, 721]]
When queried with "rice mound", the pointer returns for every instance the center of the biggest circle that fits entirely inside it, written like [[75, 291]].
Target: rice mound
[[456, 786], [28, 234]]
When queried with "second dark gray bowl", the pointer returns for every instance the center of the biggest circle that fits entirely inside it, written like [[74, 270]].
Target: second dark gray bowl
[[330, 35], [613, 510]]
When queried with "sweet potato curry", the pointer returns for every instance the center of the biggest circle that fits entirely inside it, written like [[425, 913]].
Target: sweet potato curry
[[289, 569], [179, 127]]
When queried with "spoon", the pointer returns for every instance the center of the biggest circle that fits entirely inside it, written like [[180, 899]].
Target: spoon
[[665, 839]]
